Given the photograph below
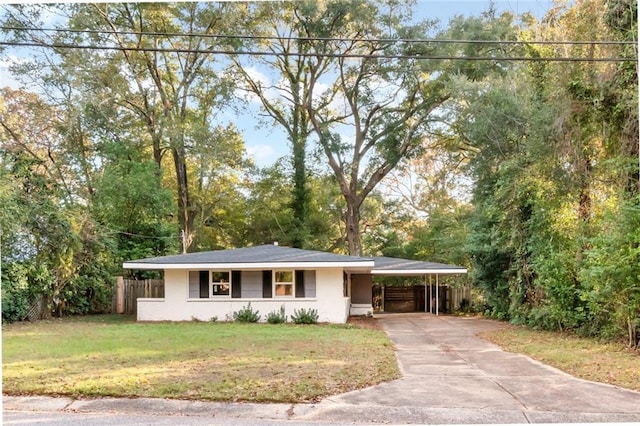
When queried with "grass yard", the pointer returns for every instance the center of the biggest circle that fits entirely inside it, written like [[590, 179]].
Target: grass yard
[[116, 356], [586, 358]]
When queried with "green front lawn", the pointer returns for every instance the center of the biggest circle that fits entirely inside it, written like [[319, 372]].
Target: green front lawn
[[116, 356]]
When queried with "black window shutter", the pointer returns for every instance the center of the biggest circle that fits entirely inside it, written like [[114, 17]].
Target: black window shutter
[[267, 280], [236, 284], [204, 284], [299, 283]]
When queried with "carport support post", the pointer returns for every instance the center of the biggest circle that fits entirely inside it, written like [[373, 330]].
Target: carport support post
[[430, 295], [425, 293], [437, 294]]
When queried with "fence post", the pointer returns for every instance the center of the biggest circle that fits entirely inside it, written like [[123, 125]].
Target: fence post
[[120, 296]]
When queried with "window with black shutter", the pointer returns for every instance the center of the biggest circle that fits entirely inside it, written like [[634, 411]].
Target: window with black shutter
[[266, 284], [236, 284], [204, 284], [300, 284]]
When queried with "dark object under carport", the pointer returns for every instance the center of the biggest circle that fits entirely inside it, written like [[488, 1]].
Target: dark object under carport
[[402, 267], [412, 298]]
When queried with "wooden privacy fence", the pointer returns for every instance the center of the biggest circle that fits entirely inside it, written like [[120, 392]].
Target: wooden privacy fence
[[37, 310], [127, 292]]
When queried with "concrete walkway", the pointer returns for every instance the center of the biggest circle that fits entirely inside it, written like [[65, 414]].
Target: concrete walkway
[[450, 376]]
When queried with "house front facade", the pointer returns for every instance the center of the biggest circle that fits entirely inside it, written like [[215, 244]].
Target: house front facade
[[215, 284]]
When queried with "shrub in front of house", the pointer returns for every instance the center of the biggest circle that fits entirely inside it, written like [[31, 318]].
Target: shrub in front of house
[[274, 317], [246, 314], [303, 316]]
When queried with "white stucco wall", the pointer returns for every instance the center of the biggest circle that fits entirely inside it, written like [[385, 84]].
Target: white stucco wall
[[330, 303]]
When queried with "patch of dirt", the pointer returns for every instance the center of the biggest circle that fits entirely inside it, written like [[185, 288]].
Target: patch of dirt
[[364, 321]]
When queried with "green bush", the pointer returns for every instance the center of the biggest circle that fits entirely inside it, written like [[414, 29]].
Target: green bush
[[22, 283], [88, 294], [14, 305], [302, 316], [277, 317], [465, 305], [246, 314]]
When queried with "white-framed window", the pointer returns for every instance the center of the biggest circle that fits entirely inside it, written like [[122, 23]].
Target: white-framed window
[[284, 283], [220, 283]]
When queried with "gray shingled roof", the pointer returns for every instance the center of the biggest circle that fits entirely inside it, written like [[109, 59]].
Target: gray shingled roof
[[255, 254], [395, 264], [272, 254]]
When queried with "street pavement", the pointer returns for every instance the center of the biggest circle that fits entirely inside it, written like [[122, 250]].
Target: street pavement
[[449, 376]]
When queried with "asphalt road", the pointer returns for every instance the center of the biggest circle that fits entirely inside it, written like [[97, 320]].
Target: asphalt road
[[450, 376]]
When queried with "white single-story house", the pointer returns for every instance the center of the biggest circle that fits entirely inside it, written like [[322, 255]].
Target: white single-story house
[[212, 284]]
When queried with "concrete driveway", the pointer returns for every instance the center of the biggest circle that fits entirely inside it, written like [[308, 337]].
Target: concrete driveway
[[452, 376]]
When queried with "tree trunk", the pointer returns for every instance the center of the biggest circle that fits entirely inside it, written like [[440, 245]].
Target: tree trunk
[[584, 206], [157, 150], [185, 218], [352, 221], [633, 332], [633, 184], [300, 199]]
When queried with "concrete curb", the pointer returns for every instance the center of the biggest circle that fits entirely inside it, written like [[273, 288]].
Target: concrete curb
[[324, 412], [156, 406]]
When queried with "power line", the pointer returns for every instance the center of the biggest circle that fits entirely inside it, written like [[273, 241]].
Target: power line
[[130, 234], [317, 55], [322, 39]]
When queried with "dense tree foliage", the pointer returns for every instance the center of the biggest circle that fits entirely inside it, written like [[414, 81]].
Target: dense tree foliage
[[554, 163], [526, 172]]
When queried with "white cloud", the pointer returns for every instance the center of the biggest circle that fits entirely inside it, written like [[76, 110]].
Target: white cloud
[[258, 76], [263, 80], [263, 155]]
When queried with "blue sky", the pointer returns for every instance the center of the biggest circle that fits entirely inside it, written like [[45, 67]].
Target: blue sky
[[445, 10]]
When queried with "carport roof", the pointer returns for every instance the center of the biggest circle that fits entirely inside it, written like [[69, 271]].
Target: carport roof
[[396, 266]]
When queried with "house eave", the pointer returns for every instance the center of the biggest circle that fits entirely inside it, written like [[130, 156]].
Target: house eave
[[367, 265]]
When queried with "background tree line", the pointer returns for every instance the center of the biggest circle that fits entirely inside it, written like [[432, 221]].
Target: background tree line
[[524, 171]]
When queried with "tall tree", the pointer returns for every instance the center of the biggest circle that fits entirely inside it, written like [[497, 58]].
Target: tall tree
[[142, 67], [366, 108], [383, 104], [289, 32], [621, 19], [53, 249], [386, 101], [171, 84]]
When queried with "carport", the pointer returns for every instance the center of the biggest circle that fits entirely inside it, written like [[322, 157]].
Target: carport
[[430, 271]]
